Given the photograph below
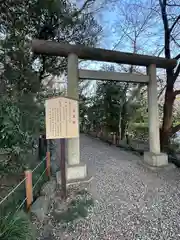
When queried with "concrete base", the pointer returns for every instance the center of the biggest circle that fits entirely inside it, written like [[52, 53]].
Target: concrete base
[[86, 180], [74, 172], [78, 171], [156, 160]]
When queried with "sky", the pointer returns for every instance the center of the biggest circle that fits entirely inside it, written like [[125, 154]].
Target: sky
[[120, 21], [118, 33]]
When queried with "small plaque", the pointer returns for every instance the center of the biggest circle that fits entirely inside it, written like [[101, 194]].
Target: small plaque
[[62, 118]]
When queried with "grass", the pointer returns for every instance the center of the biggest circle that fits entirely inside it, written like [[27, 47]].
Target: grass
[[16, 227]]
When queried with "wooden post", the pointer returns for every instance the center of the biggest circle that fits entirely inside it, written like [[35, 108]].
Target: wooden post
[[48, 164], [48, 159], [63, 168], [28, 185], [114, 139], [40, 147], [127, 139], [118, 140], [109, 137]]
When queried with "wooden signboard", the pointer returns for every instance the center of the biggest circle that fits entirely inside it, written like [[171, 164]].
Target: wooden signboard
[[61, 118]]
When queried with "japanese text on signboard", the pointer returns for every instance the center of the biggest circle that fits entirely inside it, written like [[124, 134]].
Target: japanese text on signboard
[[61, 118]]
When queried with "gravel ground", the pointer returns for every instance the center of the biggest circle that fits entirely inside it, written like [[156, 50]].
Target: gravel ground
[[131, 201]]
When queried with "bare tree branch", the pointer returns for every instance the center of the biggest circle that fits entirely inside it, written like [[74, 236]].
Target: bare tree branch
[[144, 23], [173, 5], [177, 57], [160, 52], [161, 92], [86, 4], [166, 28], [177, 92], [175, 129], [118, 42], [176, 74], [174, 24], [174, 40]]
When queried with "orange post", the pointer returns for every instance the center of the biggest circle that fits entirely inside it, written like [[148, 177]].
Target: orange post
[[48, 164], [29, 191]]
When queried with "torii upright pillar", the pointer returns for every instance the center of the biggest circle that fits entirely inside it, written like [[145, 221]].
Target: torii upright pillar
[[75, 169], [154, 157]]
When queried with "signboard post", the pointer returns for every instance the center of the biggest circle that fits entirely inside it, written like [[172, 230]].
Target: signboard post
[[63, 168], [61, 123]]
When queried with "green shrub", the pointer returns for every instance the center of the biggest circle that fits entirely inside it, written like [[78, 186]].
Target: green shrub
[[77, 208], [38, 179], [16, 227], [139, 130], [11, 204]]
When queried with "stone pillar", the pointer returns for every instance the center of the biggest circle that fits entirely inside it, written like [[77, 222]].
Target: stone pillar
[[154, 157], [75, 169], [153, 111], [73, 150]]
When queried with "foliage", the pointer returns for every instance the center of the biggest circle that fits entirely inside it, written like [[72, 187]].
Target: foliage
[[77, 208], [114, 107], [16, 126], [19, 128], [135, 30], [26, 79], [16, 227], [24, 76], [39, 177], [139, 131], [11, 204]]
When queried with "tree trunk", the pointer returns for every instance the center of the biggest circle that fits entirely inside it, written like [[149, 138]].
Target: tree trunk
[[120, 124], [123, 121], [167, 116], [123, 131]]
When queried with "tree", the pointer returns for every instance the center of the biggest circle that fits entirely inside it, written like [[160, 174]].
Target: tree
[[171, 23], [66, 23], [113, 106], [23, 74], [131, 26], [154, 28]]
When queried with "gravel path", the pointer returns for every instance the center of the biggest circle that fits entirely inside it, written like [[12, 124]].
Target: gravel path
[[132, 202]]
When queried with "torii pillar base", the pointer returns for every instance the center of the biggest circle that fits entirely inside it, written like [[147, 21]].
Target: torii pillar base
[[156, 160], [74, 174]]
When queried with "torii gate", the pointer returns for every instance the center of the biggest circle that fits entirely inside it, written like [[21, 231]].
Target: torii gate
[[154, 157]]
